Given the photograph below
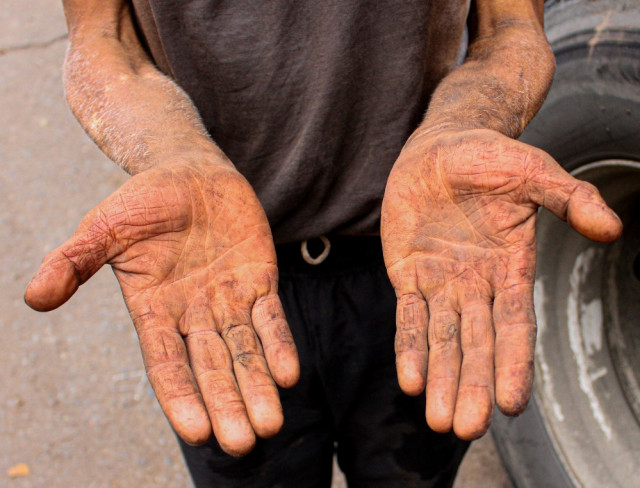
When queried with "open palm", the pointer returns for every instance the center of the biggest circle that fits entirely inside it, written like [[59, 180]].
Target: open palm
[[192, 250], [458, 230]]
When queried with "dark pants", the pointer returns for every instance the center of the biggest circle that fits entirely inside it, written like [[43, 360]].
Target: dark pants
[[342, 316]]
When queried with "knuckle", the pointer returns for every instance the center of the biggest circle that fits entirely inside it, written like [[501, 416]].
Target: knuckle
[[248, 360], [171, 381], [516, 306], [224, 397], [240, 339], [589, 188], [410, 340], [162, 345], [411, 312], [207, 352], [233, 330], [444, 330], [268, 308]]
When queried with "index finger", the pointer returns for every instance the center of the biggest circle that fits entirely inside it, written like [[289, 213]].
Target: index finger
[[412, 352], [167, 365], [515, 326]]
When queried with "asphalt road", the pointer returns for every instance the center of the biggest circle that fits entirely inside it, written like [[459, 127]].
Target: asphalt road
[[75, 405]]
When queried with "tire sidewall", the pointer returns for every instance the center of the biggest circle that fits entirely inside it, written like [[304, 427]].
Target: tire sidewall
[[592, 113]]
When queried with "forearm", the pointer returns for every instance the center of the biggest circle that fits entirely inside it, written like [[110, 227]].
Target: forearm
[[502, 84], [135, 114]]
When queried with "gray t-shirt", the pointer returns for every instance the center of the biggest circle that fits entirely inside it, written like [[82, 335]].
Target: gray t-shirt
[[311, 100]]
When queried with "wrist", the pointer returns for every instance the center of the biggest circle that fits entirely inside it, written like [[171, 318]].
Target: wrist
[[501, 85], [193, 153], [433, 129], [445, 133]]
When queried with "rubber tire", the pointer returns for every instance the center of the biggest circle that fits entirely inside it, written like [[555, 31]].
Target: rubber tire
[[592, 113]]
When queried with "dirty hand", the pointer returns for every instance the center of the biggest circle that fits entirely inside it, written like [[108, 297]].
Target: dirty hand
[[458, 232], [192, 250]]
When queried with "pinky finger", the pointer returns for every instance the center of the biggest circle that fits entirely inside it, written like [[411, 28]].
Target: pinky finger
[[279, 349], [515, 326]]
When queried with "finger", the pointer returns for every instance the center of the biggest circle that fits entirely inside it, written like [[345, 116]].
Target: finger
[[443, 371], [165, 359], [515, 325], [277, 342], [474, 404], [65, 268], [411, 345], [258, 390], [212, 366], [124, 218], [578, 202]]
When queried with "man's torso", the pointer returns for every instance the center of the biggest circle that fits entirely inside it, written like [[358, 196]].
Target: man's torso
[[312, 101]]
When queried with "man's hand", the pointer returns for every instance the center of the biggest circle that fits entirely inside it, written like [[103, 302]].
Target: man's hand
[[458, 231], [192, 250]]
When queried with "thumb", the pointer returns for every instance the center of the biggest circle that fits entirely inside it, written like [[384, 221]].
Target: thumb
[[68, 266], [577, 202], [588, 213]]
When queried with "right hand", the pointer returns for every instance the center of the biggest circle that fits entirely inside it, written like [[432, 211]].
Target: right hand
[[192, 250]]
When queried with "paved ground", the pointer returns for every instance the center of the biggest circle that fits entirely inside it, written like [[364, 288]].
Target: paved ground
[[75, 404]]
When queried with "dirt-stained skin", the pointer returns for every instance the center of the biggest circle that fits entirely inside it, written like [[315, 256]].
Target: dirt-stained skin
[[193, 252], [458, 227], [191, 248]]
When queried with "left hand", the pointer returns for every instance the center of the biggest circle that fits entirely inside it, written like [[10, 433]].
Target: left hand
[[458, 232]]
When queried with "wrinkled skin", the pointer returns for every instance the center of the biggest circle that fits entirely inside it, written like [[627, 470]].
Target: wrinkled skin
[[193, 253], [192, 250], [458, 230]]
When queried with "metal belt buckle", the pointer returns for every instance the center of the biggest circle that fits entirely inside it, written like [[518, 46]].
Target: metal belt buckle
[[321, 257]]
